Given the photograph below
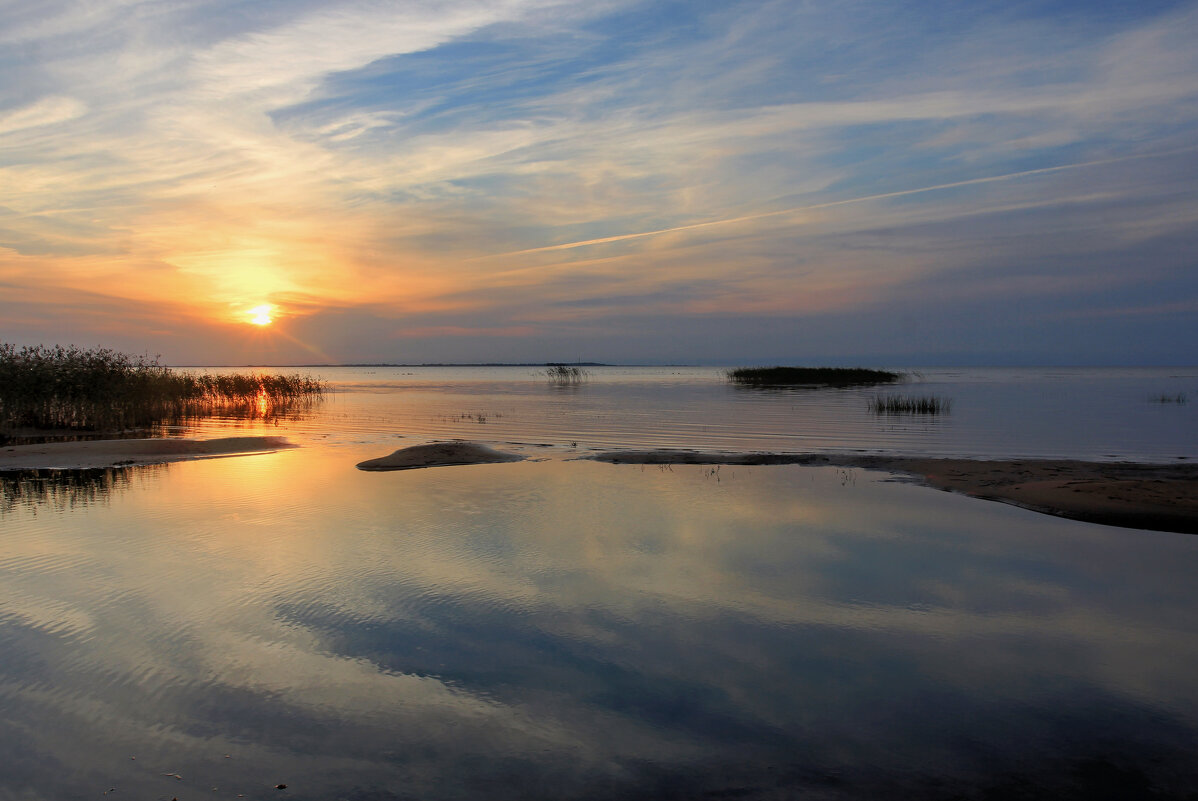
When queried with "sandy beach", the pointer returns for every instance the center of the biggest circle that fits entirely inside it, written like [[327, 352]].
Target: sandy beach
[[1144, 496], [101, 453]]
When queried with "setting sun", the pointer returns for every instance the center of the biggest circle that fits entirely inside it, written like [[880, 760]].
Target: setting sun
[[261, 315]]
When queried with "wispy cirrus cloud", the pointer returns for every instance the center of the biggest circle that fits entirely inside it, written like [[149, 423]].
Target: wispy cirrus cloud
[[45, 111], [757, 158]]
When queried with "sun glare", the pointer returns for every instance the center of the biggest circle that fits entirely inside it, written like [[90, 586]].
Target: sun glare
[[260, 315]]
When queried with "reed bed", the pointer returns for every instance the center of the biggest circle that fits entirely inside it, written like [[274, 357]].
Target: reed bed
[[57, 388], [1179, 397], [910, 404], [565, 375], [811, 376]]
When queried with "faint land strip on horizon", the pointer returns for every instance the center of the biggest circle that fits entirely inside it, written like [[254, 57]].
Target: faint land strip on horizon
[[833, 203]]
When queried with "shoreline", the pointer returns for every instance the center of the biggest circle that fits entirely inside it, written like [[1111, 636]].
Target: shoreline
[[1137, 495], [1126, 494], [106, 453]]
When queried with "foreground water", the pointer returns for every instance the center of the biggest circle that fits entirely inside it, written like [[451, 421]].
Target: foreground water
[[572, 630]]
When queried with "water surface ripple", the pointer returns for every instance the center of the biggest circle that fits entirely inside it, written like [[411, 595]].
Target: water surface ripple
[[1104, 414], [562, 629]]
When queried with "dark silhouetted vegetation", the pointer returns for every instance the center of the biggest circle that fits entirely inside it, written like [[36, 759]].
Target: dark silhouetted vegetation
[[811, 376], [1180, 397], [57, 388], [565, 374], [65, 489], [910, 404]]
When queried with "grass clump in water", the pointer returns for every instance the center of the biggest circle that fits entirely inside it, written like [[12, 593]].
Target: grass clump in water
[[1180, 397], [810, 376], [910, 404], [56, 388], [565, 374]]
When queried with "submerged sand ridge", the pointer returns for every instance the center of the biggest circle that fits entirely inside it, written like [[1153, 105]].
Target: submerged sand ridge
[[1145, 496], [439, 454], [100, 453]]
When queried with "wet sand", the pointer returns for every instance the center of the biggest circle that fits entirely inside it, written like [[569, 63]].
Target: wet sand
[[1131, 495], [439, 454], [100, 453]]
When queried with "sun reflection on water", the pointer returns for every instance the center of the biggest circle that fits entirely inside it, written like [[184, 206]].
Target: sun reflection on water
[[606, 626]]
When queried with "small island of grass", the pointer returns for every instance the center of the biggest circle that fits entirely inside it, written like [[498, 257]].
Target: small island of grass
[[811, 376], [910, 404], [565, 374], [69, 390]]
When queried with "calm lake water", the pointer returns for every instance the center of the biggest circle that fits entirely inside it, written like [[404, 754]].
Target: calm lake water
[[564, 629], [1107, 414]]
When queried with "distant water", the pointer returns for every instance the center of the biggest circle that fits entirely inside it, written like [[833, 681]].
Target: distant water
[[572, 630], [1103, 414]]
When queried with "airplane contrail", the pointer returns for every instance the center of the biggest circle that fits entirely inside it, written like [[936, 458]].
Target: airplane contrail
[[833, 203]]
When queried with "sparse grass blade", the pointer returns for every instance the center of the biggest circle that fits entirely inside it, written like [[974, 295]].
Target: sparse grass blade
[[910, 404]]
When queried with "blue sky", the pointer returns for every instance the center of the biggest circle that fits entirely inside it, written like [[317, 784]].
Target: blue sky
[[530, 180]]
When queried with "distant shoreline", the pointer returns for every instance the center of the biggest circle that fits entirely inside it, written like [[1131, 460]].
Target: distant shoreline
[[424, 364], [719, 366]]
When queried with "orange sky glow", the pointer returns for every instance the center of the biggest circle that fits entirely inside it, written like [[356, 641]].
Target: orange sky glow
[[465, 183]]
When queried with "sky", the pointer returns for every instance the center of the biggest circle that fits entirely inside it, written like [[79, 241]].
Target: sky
[[872, 182]]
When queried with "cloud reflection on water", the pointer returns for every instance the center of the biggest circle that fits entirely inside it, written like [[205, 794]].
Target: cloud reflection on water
[[573, 630]]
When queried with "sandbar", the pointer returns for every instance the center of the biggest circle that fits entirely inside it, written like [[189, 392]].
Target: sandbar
[[439, 454], [1160, 497], [100, 453]]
